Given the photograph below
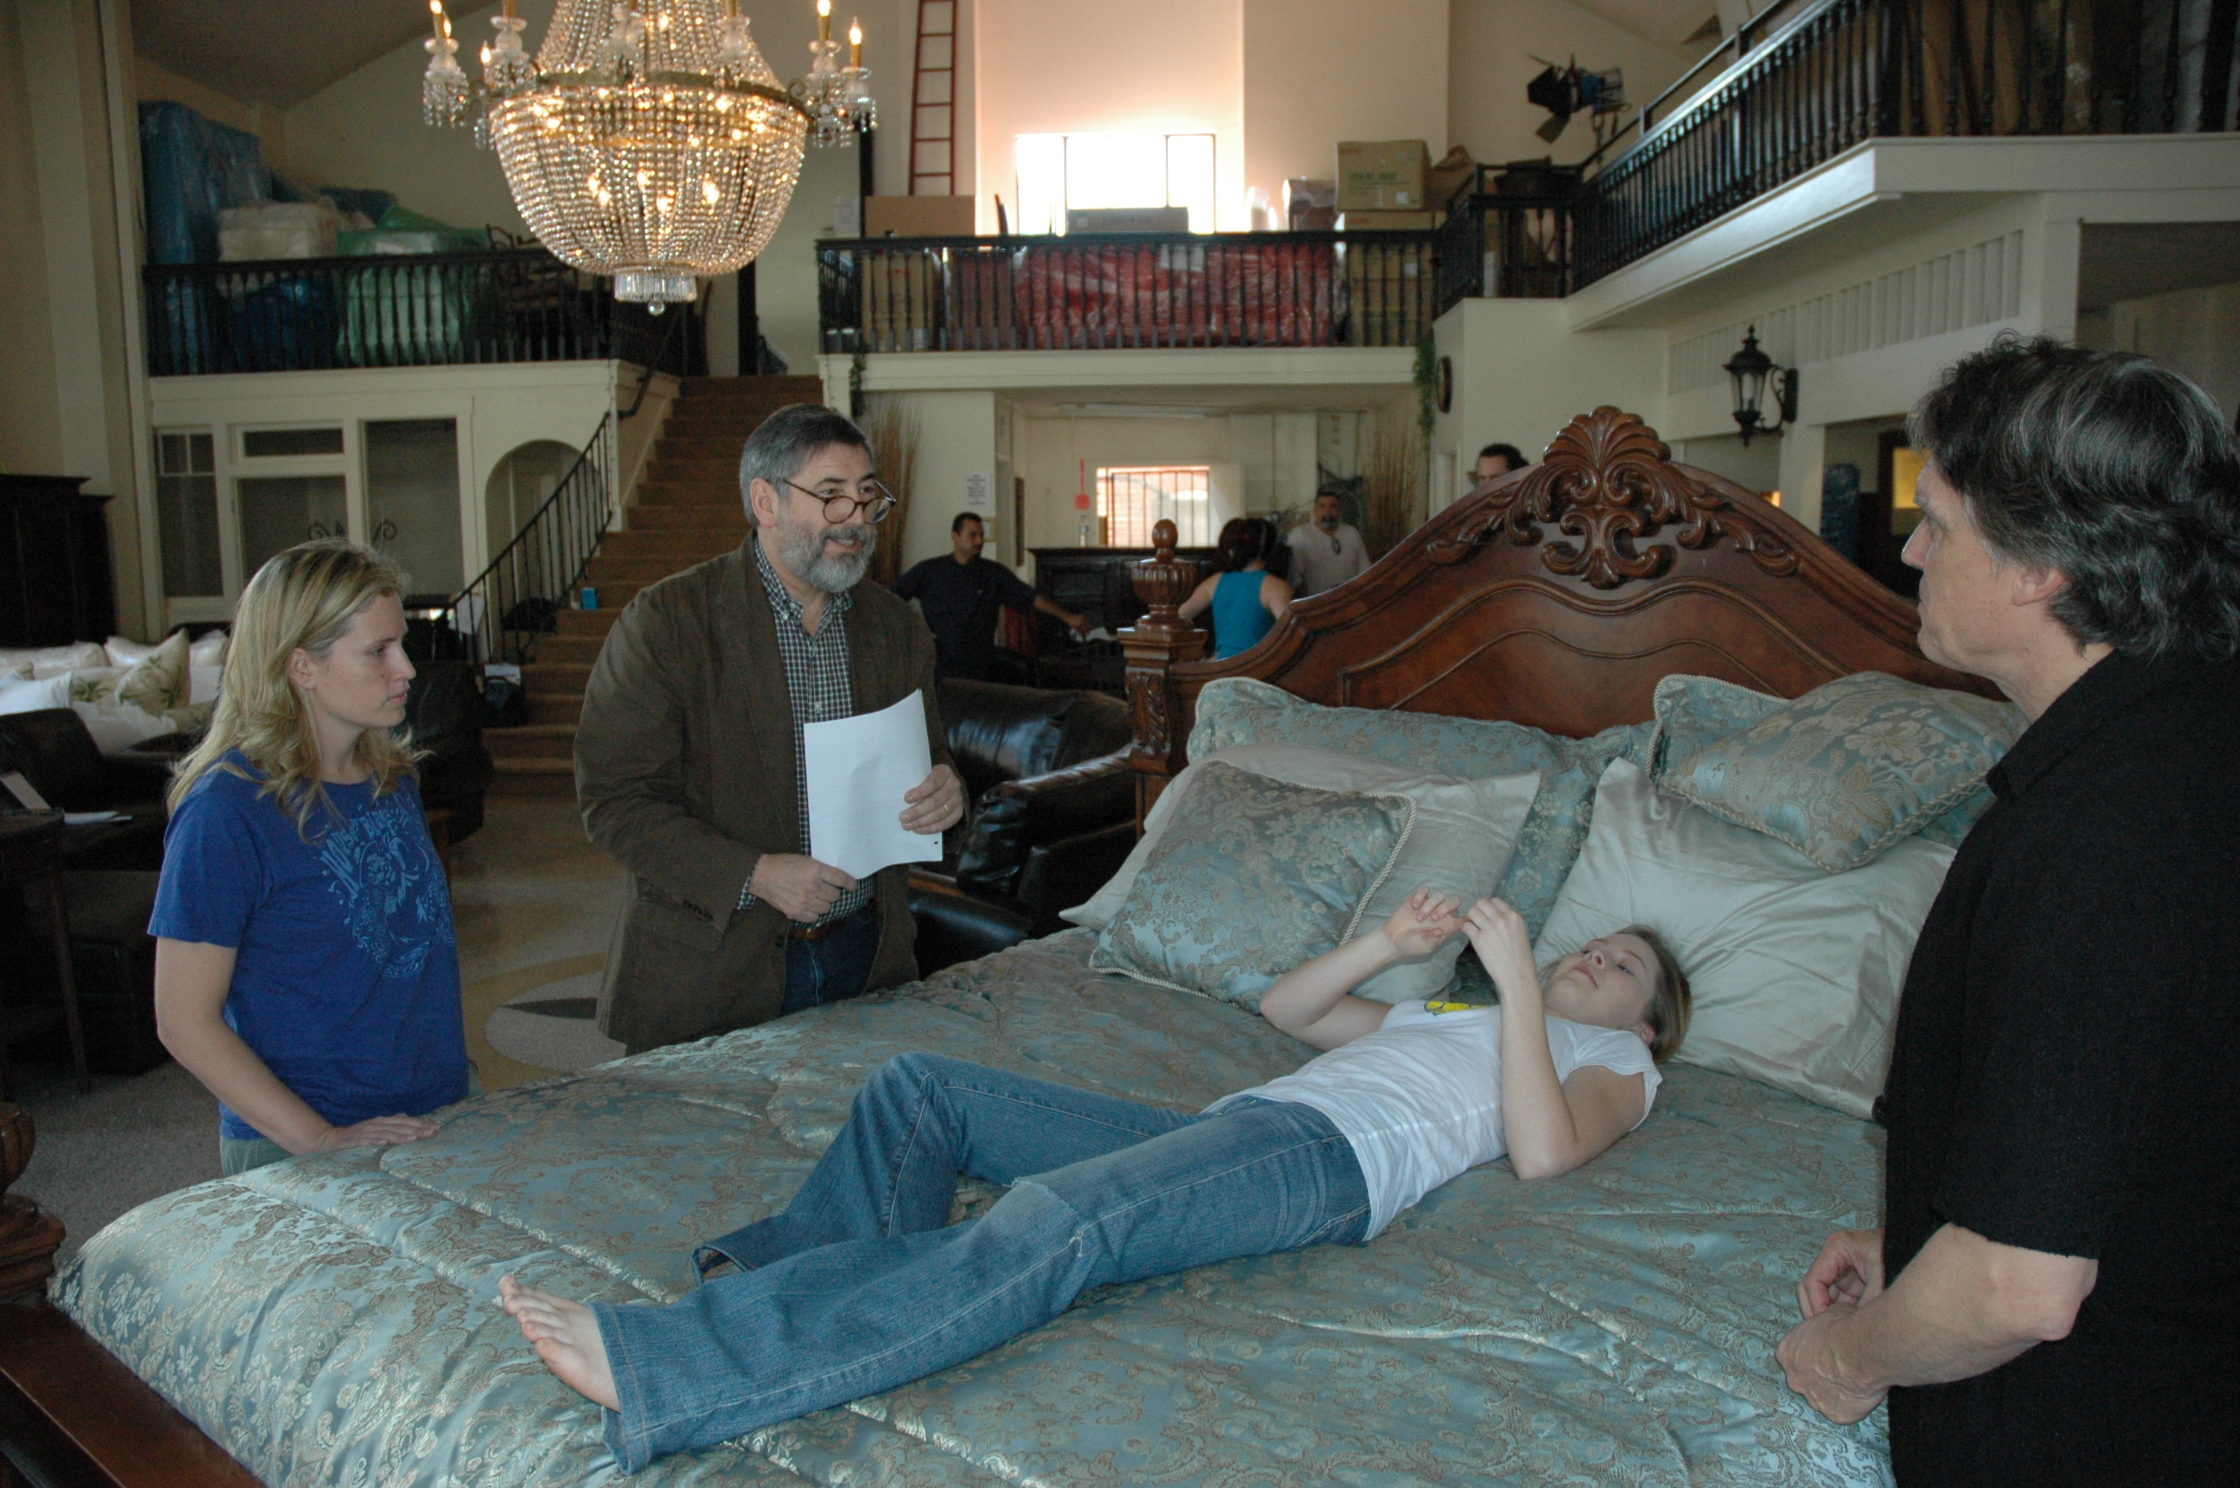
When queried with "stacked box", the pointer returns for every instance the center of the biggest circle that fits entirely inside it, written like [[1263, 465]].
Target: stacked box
[[1382, 175]]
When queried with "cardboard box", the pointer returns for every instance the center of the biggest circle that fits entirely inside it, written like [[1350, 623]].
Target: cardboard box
[[1313, 219], [1453, 172], [1303, 194], [1386, 221], [917, 217], [1382, 175], [1127, 220]]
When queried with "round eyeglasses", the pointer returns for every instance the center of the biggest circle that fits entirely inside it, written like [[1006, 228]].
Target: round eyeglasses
[[839, 506]]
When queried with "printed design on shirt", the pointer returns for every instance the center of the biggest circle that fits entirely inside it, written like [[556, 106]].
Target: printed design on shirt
[[1435, 1008], [377, 866]]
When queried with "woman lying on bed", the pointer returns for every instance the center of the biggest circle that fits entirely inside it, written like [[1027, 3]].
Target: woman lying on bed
[[862, 1285]]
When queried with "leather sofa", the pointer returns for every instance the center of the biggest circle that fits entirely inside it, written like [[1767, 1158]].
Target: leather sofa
[[1051, 816], [53, 750]]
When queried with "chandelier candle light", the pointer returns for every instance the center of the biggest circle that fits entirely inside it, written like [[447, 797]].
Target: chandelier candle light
[[648, 139]]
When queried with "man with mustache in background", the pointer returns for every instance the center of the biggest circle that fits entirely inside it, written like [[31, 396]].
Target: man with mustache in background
[[689, 767]]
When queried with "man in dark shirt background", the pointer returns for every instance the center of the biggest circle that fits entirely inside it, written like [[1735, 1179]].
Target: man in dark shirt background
[[960, 595], [2063, 1171]]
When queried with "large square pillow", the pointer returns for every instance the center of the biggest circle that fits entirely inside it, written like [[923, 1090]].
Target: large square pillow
[[1466, 831], [1841, 773], [1796, 971], [1252, 877], [1239, 711], [53, 659], [20, 694]]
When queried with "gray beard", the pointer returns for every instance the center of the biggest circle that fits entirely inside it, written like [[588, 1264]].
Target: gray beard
[[804, 554]]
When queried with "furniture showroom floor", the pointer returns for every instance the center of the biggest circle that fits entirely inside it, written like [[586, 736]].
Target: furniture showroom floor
[[534, 903]]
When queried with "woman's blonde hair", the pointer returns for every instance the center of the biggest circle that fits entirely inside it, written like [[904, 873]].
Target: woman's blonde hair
[[302, 599]]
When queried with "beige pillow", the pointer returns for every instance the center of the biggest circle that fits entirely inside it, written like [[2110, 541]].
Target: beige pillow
[[1796, 971], [49, 661], [1465, 832]]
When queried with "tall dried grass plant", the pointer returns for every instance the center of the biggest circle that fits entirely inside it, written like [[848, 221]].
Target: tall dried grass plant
[[1393, 469], [892, 427]]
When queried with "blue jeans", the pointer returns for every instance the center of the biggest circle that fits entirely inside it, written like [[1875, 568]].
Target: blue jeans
[[834, 968], [860, 1285]]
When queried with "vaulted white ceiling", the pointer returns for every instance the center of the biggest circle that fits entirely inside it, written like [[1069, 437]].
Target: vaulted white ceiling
[[274, 51]]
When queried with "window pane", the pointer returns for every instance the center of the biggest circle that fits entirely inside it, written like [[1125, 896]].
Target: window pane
[[1116, 170], [412, 500], [263, 443], [1190, 177], [1042, 183], [280, 511], [1133, 498], [187, 517]]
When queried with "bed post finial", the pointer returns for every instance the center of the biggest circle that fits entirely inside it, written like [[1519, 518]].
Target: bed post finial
[[1153, 645], [28, 1238]]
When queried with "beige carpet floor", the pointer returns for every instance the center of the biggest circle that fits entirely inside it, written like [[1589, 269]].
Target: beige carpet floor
[[535, 904]]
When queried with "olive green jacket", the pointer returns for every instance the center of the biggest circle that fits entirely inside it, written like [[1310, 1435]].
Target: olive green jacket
[[685, 776]]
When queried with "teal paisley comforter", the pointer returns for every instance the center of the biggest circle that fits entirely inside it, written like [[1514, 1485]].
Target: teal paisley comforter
[[333, 1320]]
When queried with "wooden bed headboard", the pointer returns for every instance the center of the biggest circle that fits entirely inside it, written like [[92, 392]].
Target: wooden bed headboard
[[1557, 596]]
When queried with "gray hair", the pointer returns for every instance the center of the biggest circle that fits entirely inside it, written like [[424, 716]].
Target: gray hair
[[2112, 470], [786, 441]]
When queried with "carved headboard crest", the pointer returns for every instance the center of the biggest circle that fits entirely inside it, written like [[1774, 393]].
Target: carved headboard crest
[[1606, 482]]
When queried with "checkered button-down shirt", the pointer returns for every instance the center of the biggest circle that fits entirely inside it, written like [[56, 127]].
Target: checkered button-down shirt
[[818, 682]]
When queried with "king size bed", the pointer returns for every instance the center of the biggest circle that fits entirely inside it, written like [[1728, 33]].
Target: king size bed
[[333, 1320]]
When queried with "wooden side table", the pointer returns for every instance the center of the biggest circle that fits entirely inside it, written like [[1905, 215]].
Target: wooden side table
[[31, 854], [28, 1238]]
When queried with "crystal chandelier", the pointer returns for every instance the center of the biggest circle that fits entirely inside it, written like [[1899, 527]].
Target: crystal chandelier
[[648, 139]]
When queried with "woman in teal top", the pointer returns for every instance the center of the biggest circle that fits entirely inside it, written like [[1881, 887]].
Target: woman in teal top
[[1250, 594]]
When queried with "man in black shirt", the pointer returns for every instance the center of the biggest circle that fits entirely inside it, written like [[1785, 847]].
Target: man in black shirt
[[2063, 1174], [960, 595]]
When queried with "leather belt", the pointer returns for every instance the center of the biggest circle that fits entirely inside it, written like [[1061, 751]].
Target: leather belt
[[809, 934]]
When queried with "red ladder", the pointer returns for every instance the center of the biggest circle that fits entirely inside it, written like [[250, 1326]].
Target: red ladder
[[933, 96]]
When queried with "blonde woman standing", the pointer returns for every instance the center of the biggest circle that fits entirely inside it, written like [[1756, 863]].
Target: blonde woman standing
[[306, 969]]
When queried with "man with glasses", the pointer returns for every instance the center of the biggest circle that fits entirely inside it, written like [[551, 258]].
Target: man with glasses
[[689, 766], [961, 596], [1326, 551]]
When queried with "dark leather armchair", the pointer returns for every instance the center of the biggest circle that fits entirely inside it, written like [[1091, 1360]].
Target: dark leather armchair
[[54, 751], [1052, 816], [445, 711]]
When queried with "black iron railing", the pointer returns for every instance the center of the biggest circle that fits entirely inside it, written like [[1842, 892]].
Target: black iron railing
[[423, 310], [1832, 74], [519, 597], [1127, 290], [1504, 244]]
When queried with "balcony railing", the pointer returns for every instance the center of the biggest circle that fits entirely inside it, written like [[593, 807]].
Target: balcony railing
[[500, 615], [1505, 244], [1841, 71], [425, 310], [1128, 290]]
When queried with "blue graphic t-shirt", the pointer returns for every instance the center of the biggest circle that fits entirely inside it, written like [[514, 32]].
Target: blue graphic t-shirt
[[346, 978]]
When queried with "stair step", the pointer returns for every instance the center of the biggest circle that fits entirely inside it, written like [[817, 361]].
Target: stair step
[[676, 516], [533, 777], [699, 468], [722, 495], [684, 547], [718, 449], [555, 678], [604, 570], [546, 741], [578, 650], [588, 622], [790, 389], [556, 710]]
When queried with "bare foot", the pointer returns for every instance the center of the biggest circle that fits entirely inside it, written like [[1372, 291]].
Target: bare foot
[[566, 1336]]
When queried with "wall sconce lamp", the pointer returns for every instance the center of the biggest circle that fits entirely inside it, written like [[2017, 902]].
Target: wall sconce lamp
[[1751, 370]]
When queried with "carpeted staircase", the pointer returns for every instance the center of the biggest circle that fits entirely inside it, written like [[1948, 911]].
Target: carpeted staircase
[[687, 511]]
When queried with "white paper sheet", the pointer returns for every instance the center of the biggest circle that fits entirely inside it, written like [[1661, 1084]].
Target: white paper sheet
[[859, 769]]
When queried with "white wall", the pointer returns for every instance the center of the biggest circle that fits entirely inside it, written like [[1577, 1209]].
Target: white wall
[[1082, 66], [2195, 330], [1521, 374], [496, 409], [1320, 71], [1493, 54], [956, 435]]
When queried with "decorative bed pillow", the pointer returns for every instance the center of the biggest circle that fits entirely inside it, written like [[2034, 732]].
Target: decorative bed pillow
[[55, 658], [23, 695], [119, 726], [1841, 773], [1796, 972], [1254, 877], [1239, 711], [1465, 832]]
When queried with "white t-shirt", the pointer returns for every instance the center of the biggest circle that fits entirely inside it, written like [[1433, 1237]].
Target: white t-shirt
[[1420, 1098], [1323, 561]]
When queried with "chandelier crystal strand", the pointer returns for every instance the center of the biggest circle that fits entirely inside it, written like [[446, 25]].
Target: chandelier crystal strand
[[445, 91], [648, 139]]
